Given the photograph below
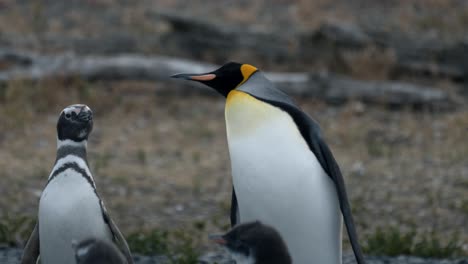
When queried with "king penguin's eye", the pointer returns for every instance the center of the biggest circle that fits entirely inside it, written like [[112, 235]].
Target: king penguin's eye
[[67, 115]]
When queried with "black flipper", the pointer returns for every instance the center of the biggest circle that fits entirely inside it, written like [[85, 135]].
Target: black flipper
[[118, 238], [31, 250], [335, 174], [234, 209], [310, 131]]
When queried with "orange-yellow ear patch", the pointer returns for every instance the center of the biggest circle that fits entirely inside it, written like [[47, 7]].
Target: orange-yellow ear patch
[[247, 70]]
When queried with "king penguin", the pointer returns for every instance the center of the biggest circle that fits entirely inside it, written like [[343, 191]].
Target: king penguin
[[254, 243], [70, 208], [284, 174]]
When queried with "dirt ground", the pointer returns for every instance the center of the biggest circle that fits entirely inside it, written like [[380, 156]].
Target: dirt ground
[[160, 160]]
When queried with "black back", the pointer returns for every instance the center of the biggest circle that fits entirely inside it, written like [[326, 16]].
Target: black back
[[262, 89]]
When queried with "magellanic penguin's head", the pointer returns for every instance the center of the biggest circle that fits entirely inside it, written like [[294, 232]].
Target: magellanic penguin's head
[[254, 242], [225, 79], [75, 123]]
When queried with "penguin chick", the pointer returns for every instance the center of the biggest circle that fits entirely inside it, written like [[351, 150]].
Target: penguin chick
[[96, 251], [254, 243]]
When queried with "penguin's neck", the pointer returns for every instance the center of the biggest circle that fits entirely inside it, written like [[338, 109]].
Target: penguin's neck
[[72, 154], [69, 147]]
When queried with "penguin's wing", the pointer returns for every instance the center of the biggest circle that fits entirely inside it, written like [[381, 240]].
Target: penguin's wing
[[120, 241], [234, 209], [31, 250], [310, 131], [335, 173], [117, 236]]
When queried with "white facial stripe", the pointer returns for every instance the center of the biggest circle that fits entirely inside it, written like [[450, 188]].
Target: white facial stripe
[[241, 258], [71, 143], [77, 108], [69, 159], [71, 109], [83, 251]]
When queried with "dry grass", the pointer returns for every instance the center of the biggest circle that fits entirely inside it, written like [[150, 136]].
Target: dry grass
[[161, 161], [369, 64]]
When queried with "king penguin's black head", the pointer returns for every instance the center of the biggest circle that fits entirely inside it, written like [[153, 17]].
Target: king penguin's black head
[[227, 78], [75, 123], [254, 241]]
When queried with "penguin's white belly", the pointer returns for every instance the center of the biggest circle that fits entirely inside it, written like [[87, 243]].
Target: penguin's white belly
[[279, 181], [68, 210]]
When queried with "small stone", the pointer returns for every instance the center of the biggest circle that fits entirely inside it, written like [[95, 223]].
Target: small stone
[[179, 208]]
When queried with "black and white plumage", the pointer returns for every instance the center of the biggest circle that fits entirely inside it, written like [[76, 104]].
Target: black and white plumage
[[254, 243], [70, 208], [283, 172], [96, 251]]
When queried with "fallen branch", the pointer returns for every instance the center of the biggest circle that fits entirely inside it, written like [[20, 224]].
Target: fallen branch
[[325, 46], [332, 88]]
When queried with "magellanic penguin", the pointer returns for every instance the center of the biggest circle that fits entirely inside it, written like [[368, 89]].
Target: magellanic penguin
[[254, 243], [96, 251], [70, 207], [283, 172]]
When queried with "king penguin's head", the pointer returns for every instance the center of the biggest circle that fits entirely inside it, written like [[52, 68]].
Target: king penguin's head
[[75, 123], [225, 79]]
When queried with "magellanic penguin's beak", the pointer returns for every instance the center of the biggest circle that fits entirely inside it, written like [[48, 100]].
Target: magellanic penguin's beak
[[218, 239], [195, 77]]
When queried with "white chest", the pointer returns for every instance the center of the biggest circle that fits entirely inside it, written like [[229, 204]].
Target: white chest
[[280, 182], [242, 259], [68, 210]]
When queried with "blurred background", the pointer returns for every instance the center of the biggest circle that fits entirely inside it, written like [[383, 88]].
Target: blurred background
[[386, 80]]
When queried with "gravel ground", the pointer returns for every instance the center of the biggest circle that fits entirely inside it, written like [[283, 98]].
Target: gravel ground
[[12, 256]]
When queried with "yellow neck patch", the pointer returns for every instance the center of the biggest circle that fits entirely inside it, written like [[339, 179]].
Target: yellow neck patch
[[238, 97], [244, 113], [247, 70]]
